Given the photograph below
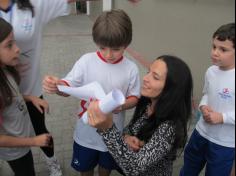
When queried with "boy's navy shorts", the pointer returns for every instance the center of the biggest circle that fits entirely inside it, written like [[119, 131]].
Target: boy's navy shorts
[[85, 159]]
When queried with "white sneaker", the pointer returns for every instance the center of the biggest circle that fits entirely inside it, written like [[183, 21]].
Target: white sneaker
[[53, 166]]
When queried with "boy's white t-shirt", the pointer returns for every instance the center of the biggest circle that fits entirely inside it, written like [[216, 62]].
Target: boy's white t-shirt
[[219, 94], [16, 122], [91, 67], [28, 35]]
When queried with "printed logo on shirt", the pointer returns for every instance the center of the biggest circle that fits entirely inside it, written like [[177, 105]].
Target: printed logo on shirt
[[225, 94], [27, 25], [21, 106]]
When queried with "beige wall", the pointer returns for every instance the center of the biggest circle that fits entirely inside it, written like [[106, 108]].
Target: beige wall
[[180, 27]]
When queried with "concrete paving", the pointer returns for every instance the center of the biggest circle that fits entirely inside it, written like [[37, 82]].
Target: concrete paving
[[64, 41]]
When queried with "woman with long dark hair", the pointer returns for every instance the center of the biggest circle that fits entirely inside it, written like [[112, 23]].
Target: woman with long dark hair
[[158, 128]]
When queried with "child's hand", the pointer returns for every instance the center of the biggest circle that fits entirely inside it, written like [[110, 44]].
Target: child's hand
[[43, 140], [50, 84], [133, 142], [214, 118], [40, 104], [206, 110], [117, 110]]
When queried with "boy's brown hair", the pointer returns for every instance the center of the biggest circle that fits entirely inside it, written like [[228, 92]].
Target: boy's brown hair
[[226, 32], [112, 29]]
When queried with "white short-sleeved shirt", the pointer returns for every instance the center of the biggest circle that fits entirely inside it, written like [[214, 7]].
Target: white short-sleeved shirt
[[123, 75], [16, 122], [28, 35]]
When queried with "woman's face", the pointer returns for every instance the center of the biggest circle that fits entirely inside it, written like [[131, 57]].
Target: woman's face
[[154, 80]]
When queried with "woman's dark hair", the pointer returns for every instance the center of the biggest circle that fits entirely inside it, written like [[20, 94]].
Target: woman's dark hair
[[226, 32], [25, 5], [5, 86], [174, 103]]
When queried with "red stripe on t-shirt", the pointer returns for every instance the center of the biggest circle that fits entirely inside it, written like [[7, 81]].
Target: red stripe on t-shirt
[[66, 83], [104, 60]]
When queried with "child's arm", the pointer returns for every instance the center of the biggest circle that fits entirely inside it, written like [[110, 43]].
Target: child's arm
[[50, 85], [129, 104], [10, 141], [219, 118], [40, 104]]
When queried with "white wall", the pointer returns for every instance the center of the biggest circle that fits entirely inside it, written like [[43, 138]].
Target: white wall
[[180, 27], [107, 5]]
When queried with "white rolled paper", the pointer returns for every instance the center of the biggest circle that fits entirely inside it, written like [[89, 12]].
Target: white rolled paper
[[109, 103], [93, 90]]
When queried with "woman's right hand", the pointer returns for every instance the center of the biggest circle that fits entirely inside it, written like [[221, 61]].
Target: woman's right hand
[[43, 140], [133, 142], [98, 119]]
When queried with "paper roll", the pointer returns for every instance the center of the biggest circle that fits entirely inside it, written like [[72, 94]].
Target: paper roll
[[109, 103]]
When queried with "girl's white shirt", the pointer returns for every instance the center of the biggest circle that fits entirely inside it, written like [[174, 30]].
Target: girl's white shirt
[[28, 35]]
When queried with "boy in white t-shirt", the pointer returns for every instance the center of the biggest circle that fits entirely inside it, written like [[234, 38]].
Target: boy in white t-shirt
[[112, 32], [213, 141]]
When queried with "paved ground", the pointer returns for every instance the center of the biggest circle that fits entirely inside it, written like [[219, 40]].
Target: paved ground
[[65, 40]]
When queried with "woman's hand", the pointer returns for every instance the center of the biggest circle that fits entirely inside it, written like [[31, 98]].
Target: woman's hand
[[98, 119], [43, 140], [40, 104], [133, 142]]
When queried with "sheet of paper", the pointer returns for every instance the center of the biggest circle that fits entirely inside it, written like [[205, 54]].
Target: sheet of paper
[[92, 90]]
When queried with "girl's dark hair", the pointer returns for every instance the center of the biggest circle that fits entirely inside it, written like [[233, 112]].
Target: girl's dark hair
[[174, 103], [25, 5], [112, 29], [6, 94], [226, 32]]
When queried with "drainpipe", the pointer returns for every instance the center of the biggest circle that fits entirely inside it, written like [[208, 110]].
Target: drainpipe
[[107, 5], [88, 4]]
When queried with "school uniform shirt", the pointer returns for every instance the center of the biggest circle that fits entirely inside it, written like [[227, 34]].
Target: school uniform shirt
[[16, 122], [28, 35], [219, 94], [123, 75]]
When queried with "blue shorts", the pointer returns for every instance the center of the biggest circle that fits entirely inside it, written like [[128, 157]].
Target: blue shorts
[[200, 152], [86, 159]]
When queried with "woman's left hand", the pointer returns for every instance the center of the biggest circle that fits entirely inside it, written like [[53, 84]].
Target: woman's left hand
[[98, 119], [133, 142]]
